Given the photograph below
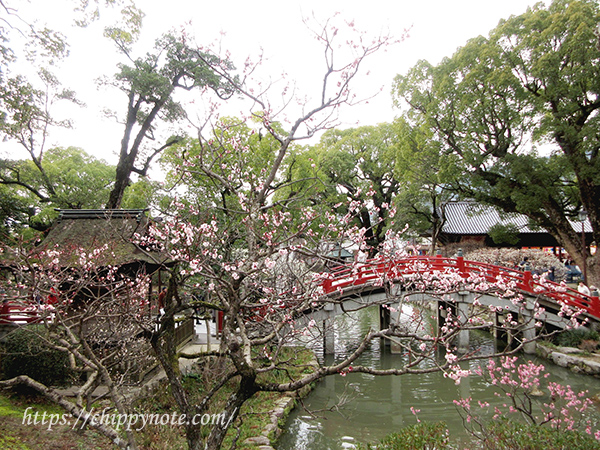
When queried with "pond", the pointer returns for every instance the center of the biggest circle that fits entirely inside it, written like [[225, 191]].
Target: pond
[[345, 410]]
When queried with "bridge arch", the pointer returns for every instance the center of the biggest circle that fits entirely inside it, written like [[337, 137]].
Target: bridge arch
[[381, 282]]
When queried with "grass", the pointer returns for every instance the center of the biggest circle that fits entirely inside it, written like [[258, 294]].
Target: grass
[[8, 409], [17, 434]]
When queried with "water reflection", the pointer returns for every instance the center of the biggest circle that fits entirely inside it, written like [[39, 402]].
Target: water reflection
[[365, 408]]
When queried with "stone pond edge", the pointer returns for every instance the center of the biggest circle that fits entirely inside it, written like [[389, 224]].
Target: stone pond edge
[[278, 416], [570, 358]]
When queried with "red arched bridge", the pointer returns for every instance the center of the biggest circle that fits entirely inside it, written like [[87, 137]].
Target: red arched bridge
[[467, 280], [347, 278]]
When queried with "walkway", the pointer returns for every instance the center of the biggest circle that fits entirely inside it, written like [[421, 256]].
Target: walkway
[[385, 283]]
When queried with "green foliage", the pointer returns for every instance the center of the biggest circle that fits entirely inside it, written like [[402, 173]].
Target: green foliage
[[125, 33], [26, 352], [14, 211], [499, 435], [425, 174], [152, 79], [572, 338], [352, 166], [69, 178], [21, 108], [239, 154], [80, 180], [431, 436], [504, 234], [535, 81], [509, 435], [140, 195]]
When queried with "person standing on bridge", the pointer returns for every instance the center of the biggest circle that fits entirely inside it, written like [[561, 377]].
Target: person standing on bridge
[[583, 289]]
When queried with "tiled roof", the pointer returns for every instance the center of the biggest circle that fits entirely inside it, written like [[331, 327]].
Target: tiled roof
[[470, 218]]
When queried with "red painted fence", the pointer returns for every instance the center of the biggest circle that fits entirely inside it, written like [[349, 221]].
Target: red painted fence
[[375, 270]]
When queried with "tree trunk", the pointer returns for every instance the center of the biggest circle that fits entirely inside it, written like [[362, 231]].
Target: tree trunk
[[121, 182], [246, 390]]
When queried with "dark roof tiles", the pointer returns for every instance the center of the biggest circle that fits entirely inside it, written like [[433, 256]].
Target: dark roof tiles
[[470, 218]]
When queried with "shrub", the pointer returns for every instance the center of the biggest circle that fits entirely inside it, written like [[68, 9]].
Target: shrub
[[25, 352], [508, 435], [573, 338], [498, 435], [432, 436], [504, 234]]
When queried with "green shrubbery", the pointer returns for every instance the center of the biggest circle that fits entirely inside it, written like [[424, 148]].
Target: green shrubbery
[[25, 352], [508, 435], [499, 435], [431, 436], [574, 337]]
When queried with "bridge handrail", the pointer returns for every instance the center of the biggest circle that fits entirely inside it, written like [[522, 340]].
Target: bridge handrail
[[17, 311], [342, 277]]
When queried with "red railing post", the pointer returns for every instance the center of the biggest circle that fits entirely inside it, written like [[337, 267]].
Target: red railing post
[[220, 316], [359, 270], [495, 271], [527, 280], [327, 286], [595, 304], [460, 263]]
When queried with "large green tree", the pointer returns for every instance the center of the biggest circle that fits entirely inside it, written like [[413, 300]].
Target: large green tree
[[240, 152], [150, 83], [65, 178], [29, 93], [385, 177], [426, 177], [25, 119], [520, 110], [356, 172]]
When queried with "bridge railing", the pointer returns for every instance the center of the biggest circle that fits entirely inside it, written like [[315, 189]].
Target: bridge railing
[[19, 312], [376, 272]]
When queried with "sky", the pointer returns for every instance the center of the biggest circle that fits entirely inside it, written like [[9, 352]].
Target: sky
[[275, 27]]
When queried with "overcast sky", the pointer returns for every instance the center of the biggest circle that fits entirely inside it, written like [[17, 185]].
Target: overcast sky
[[437, 29]]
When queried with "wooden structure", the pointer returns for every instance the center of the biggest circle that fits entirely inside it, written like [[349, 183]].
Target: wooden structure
[[114, 233], [114, 239], [109, 242]]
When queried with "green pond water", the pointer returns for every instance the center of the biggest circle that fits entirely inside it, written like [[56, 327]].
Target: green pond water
[[345, 410]]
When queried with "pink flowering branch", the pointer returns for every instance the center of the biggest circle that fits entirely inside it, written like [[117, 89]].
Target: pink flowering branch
[[520, 390]]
